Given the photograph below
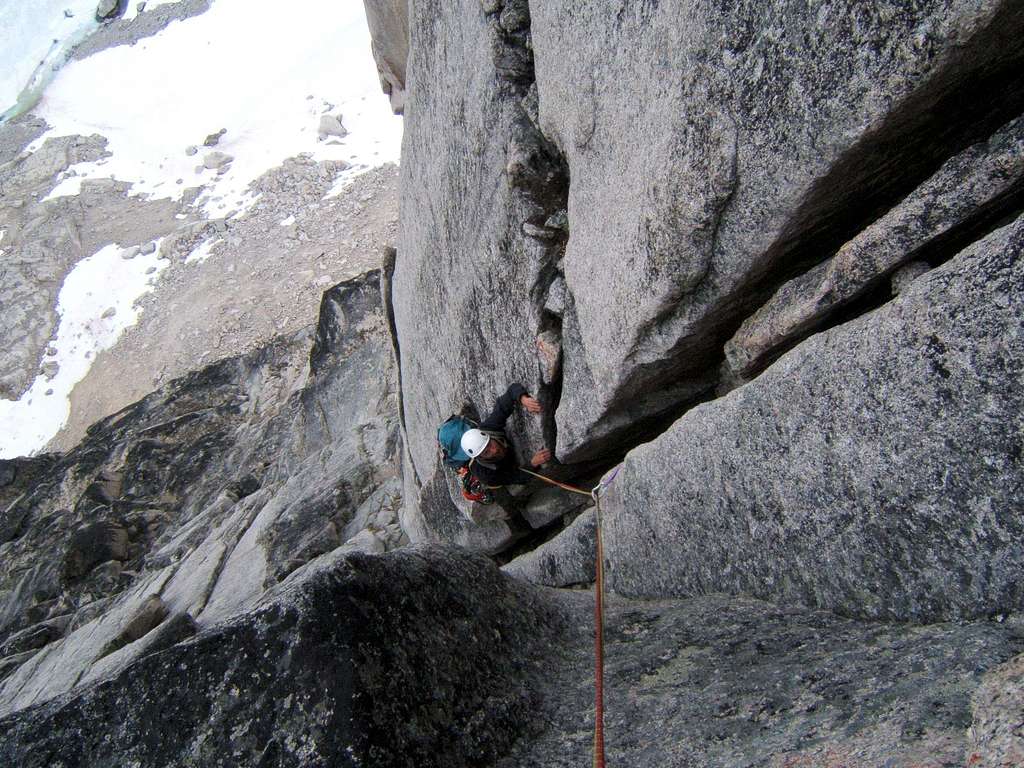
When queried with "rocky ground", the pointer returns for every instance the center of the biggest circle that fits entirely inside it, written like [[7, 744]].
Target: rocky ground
[[264, 276], [251, 276]]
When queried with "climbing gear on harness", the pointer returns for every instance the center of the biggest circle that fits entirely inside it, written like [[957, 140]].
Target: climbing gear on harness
[[472, 488], [449, 441]]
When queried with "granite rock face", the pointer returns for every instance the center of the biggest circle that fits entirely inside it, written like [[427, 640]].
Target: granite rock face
[[714, 150], [201, 496], [875, 470], [770, 254], [469, 285], [350, 662]]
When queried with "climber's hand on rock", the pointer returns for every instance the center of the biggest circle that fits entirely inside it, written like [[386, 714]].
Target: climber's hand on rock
[[543, 456], [530, 403]]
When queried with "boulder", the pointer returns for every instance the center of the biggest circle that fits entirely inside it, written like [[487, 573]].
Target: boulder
[[110, 9], [874, 470], [330, 125], [216, 160], [336, 665], [569, 559]]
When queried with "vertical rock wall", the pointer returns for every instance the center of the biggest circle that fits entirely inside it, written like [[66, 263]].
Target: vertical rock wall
[[715, 149], [739, 178], [469, 284]]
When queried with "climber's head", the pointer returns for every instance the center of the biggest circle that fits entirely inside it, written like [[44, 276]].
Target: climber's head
[[479, 445]]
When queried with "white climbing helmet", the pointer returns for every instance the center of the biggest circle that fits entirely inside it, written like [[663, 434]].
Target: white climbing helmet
[[473, 442]]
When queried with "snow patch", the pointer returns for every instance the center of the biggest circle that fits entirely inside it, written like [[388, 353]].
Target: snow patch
[[215, 71], [96, 304], [287, 222]]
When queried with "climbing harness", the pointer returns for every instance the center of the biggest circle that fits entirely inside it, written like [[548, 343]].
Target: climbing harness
[[594, 494]]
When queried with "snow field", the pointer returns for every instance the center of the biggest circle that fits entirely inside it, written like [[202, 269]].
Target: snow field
[[97, 284], [266, 76]]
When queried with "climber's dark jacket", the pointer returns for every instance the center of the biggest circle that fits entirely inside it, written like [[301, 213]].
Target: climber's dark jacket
[[505, 471]]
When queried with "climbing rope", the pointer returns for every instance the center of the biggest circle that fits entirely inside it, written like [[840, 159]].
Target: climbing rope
[[563, 486], [599, 641], [599, 625], [594, 494]]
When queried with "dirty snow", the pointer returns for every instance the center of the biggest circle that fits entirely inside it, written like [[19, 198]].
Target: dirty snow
[[102, 282], [266, 77]]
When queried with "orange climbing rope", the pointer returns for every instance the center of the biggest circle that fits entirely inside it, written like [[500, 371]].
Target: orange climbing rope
[[599, 642], [595, 494], [563, 486]]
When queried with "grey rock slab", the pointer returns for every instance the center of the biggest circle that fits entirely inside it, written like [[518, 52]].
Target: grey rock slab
[[873, 470], [995, 739], [172, 630], [712, 148], [569, 559], [58, 667], [968, 189]]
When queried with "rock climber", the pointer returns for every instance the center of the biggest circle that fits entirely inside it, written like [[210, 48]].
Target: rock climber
[[493, 461]]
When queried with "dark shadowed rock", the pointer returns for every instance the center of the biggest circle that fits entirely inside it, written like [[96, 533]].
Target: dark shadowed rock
[[349, 662], [94, 544]]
